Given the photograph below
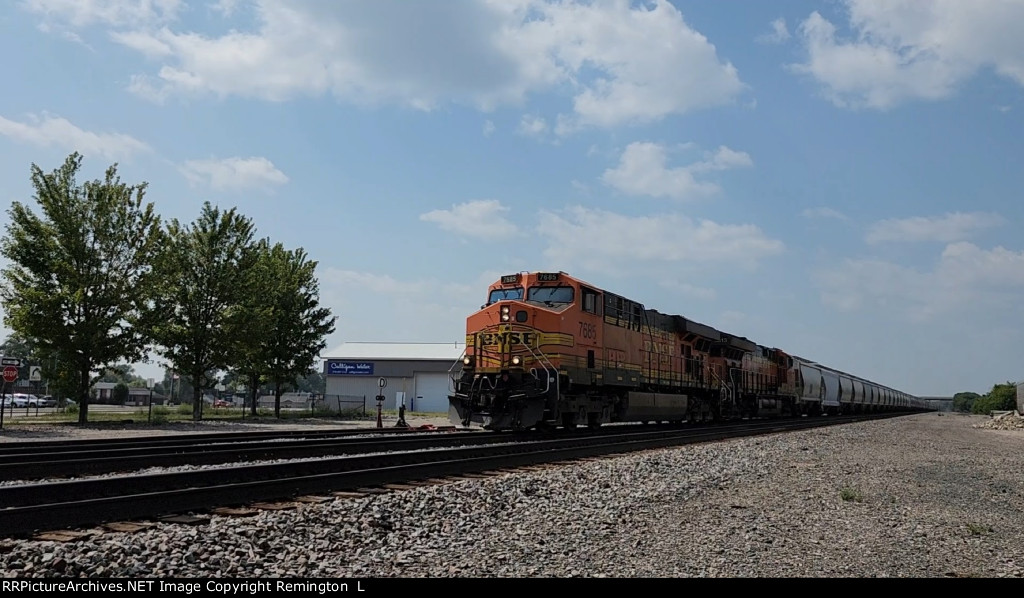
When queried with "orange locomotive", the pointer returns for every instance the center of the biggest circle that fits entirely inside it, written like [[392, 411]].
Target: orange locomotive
[[549, 349]]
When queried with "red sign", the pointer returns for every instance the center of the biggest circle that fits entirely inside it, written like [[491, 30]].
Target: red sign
[[10, 373]]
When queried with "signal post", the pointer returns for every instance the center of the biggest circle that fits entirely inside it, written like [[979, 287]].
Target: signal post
[[380, 401]]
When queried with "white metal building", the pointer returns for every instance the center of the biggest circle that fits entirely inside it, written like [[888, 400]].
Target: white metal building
[[417, 373]]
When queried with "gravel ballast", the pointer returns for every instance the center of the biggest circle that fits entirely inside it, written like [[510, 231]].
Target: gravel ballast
[[927, 495]]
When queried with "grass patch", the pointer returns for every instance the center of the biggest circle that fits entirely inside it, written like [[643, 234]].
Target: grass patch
[[851, 495], [979, 529]]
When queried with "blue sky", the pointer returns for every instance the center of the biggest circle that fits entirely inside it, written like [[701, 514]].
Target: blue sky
[[841, 179]]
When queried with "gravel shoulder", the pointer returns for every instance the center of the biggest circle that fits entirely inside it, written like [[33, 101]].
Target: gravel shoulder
[[928, 495]]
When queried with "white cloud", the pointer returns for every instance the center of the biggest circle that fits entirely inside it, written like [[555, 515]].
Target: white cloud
[[423, 310], [946, 228], [54, 131], [652, 63], [905, 50], [779, 33], [642, 171], [532, 125], [488, 128], [823, 212], [621, 62], [689, 290], [82, 13], [966, 278], [142, 42], [233, 174], [225, 7], [598, 239], [482, 218]]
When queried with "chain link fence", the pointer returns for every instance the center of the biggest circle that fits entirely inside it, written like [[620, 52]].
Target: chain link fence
[[341, 405]]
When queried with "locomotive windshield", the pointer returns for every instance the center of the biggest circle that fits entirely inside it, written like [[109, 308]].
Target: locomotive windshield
[[550, 295], [505, 294]]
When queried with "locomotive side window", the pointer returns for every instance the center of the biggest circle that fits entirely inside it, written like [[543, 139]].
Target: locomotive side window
[[590, 302], [513, 294]]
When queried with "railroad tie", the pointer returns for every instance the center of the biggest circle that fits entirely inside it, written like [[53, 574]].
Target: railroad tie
[[186, 519], [61, 536], [127, 526], [234, 511]]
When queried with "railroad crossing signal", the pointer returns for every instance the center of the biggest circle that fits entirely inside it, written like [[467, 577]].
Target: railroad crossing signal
[[10, 373]]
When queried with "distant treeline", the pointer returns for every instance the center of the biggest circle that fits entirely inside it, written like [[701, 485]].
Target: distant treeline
[[1002, 397]]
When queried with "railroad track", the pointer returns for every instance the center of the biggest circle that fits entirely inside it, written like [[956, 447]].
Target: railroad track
[[57, 460], [45, 446], [32, 508]]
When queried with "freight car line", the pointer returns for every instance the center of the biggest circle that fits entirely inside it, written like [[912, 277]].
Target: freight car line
[[37, 507]]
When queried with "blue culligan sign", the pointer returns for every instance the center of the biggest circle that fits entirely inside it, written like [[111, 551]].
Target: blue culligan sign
[[349, 368]]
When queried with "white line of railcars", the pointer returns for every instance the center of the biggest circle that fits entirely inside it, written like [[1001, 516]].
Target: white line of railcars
[[840, 392]]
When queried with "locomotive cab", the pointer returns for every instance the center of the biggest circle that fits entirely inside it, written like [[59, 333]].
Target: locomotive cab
[[506, 379]]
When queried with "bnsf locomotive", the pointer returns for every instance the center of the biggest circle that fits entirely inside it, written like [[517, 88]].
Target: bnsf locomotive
[[548, 349]]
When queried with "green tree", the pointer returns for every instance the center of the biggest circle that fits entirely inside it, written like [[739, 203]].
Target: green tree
[[17, 345], [205, 270], [120, 394], [121, 372], [24, 349], [252, 356], [80, 273], [963, 401], [1002, 397], [298, 326], [59, 376], [314, 382]]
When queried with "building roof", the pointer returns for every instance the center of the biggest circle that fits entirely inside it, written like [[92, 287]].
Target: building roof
[[403, 351]]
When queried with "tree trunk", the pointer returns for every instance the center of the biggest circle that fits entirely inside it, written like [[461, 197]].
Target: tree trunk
[[83, 396], [254, 390], [197, 398], [277, 400]]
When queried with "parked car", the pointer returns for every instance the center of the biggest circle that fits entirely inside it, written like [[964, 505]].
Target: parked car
[[46, 401], [20, 399]]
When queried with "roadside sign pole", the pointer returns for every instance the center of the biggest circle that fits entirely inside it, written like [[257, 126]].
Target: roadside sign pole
[[150, 382], [10, 368]]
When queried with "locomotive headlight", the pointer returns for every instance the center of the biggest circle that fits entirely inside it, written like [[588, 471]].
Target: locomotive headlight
[[516, 360], [467, 360], [504, 317], [505, 313]]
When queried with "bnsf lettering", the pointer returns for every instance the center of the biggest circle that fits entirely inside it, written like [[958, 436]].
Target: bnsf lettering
[[662, 348], [508, 338]]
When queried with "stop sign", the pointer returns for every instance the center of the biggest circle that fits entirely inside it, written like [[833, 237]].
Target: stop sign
[[10, 373]]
